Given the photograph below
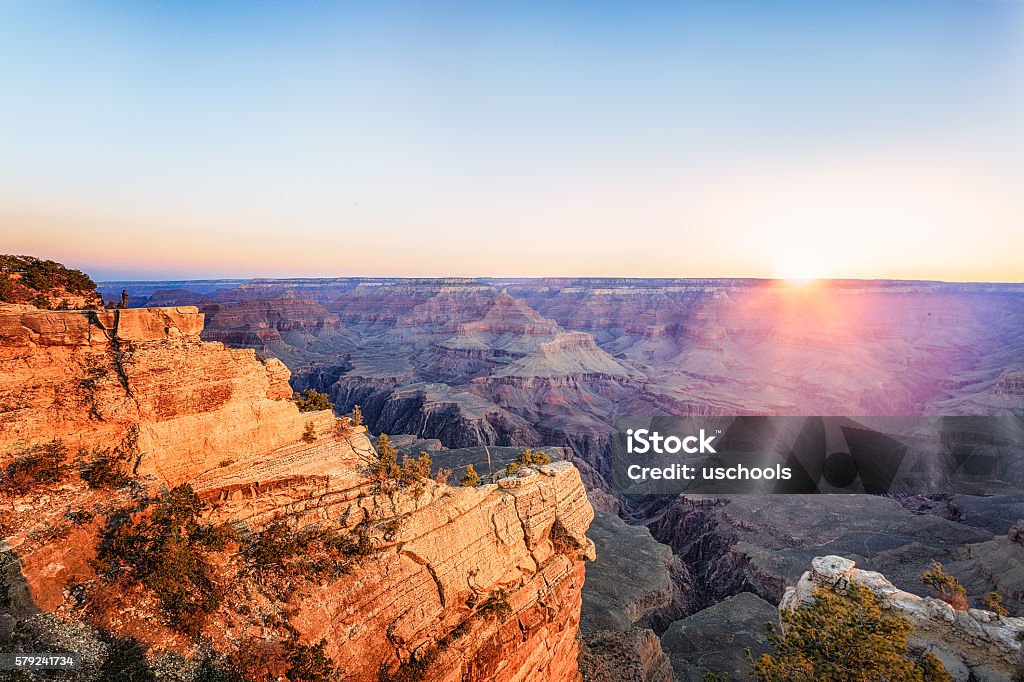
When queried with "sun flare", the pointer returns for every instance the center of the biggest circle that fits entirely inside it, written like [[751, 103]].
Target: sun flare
[[796, 269]]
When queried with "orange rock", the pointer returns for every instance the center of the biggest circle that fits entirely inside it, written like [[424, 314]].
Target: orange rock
[[219, 419]]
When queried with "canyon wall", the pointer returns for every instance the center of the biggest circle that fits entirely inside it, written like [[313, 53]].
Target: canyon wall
[[102, 378], [454, 583], [555, 361]]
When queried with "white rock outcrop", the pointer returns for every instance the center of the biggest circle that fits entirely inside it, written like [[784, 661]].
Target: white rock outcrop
[[973, 644]]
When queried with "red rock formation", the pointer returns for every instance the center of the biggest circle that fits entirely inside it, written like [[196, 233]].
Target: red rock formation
[[263, 323], [220, 420], [91, 378]]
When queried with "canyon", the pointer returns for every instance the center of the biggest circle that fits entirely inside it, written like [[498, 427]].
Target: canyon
[[472, 371], [443, 582], [556, 361], [466, 363]]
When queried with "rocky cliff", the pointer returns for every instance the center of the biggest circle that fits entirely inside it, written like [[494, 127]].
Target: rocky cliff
[[101, 378], [972, 644], [447, 583]]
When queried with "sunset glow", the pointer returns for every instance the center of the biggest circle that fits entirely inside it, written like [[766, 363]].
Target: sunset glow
[[184, 140]]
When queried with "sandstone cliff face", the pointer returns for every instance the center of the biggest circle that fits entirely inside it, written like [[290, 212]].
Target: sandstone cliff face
[[95, 379], [973, 644], [454, 548], [219, 419]]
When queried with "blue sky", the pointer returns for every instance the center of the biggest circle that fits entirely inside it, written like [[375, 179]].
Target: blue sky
[[687, 138]]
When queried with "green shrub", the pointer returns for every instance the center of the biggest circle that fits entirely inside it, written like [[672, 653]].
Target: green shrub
[[412, 670], [274, 546], [310, 663], [528, 458], [390, 475], [945, 586], [41, 301], [265, 661], [363, 544], [844, 638], [312, 400], [35, 466], [496, 606], [104, 468], [993, 601], [164, 547], [386, 471], [471, 479], [315, 554], [416, 469], [357, 415], [26, 278]]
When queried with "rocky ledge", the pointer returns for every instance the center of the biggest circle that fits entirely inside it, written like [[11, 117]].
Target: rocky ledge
[[972, 644], [454, 583]]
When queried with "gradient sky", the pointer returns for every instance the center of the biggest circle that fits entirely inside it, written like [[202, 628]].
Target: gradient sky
[[686, 138]]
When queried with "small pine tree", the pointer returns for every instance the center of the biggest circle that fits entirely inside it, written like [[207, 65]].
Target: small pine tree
[[312, 400], [471, 479], [35, 466], [527, 458], [416, 469], [386, 470], [844, 638], [946, 587], [357, 416], [993, 601], [311, 663]]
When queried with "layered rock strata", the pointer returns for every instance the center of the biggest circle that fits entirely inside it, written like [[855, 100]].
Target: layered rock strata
[[189, 411]]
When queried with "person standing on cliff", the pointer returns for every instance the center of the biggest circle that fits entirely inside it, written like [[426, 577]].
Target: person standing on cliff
[[124, 299]]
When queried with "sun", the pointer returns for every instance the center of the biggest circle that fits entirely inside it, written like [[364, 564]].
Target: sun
[[796, 271]]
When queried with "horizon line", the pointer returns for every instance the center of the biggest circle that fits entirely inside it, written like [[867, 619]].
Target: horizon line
[[487, 278]]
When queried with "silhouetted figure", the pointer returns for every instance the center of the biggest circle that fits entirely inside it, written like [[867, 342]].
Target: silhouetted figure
[[124, 299]]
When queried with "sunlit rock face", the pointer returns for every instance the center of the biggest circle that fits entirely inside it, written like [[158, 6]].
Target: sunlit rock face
[[219, 419], [98, 379]]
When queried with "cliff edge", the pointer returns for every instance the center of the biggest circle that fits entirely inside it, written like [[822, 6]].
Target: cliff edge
[[972, 644], [434, 581]]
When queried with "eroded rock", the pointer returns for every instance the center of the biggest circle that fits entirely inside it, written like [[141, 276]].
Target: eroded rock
[[985, 645]]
